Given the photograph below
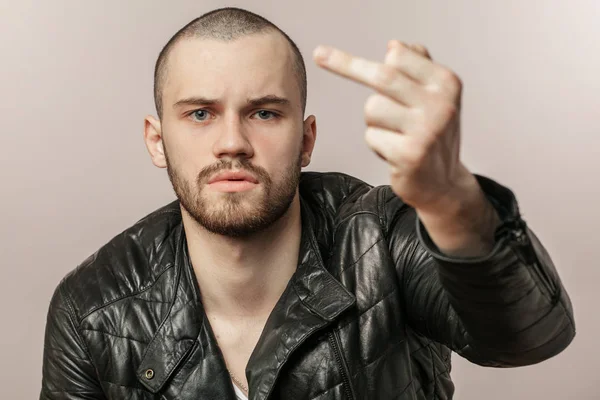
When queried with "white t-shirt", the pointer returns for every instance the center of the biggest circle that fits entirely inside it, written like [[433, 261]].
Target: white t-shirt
[[238, 392]]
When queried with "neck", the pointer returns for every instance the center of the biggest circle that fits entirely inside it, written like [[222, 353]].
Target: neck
[[244, 277]]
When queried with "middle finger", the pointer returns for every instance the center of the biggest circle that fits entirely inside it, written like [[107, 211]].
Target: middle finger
[[385, 79]]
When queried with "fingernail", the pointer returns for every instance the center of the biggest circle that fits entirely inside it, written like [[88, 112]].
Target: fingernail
[[322, 53]]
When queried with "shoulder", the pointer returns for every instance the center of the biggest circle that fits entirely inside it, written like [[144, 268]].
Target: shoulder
[[344, 195], [128, 264]]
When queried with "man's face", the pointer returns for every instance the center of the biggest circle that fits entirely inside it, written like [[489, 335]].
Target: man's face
[[232, 131]]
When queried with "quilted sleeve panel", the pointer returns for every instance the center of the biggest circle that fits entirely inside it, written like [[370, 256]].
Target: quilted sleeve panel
[[68, 373], [506, 309]]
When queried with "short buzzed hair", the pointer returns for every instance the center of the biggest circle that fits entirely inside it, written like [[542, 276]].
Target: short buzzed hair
[[225, 24]]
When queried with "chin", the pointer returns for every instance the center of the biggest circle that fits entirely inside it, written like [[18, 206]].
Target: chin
[[237, 216]]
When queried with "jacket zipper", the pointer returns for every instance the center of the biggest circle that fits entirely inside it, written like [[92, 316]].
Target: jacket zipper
[[342, 365], [520, 239]]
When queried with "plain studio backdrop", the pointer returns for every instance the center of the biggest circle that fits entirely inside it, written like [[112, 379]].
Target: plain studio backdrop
[[76, 83]]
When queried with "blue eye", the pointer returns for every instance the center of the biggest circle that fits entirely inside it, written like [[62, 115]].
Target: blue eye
[[265, 115], [200, 115]]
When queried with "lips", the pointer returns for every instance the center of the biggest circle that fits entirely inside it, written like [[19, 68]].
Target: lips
[[233, 176]]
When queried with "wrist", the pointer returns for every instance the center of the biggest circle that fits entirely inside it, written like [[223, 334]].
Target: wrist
[[463, 222]]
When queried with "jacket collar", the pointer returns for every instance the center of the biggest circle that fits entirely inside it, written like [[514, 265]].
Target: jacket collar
[[312, 300]]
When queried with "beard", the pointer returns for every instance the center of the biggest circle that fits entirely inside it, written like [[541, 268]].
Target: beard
[[237, 214]]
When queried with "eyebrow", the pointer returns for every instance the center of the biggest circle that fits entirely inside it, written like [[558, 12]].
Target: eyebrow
[[269, 99], [259, 101]]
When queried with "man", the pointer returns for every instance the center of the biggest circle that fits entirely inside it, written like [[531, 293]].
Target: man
[[265, 282]]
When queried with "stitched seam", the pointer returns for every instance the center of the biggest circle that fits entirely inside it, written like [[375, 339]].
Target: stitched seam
[[419, 349], [321, 202], [154, 339], [401, 212], [152, 301], [72, 318], [385, 296], [345, 188], [70, 391], [361, 256], [323, 360], [433, 371], [315, 249], [290, 351], [63, 351], [545, 343], [405, 388], [384, 353], [348, 217], [564, 307], [505, 305], [534, 275], [326, 390], [123, 386], [117, 336], [108, 303], [296, 346], [533, 323], [436, 355], [381, 207], [355, 321]]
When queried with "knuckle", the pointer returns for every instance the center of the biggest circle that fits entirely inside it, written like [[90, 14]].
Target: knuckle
[[419, 115], [447, 111], [372, 104], [421, 49], [437, 119], [417, 155], [385, 75], [430, 131], [450, 80], [402, 47], [398, 45]]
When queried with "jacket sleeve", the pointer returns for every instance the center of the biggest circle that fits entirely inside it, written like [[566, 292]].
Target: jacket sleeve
[[67, 373], [506, 309]]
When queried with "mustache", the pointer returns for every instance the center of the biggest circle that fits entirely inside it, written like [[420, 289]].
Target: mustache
[[239, 164]]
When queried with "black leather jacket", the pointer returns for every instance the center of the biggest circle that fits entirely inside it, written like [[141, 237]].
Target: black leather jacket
[[372, 311]]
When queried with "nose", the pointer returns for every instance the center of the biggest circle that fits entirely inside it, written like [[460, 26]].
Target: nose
[[232, 141]]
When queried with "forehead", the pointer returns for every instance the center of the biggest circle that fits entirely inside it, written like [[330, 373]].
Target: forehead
[[248, 67]]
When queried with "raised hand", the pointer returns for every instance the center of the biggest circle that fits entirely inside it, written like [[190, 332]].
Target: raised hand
[[413, 122]]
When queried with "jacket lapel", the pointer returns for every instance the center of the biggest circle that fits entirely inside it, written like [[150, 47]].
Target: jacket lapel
[[184, 351], [185, 343], [312, 300]]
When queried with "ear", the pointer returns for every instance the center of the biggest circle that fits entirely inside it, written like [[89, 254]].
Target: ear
[[154, 141], [309, 137]]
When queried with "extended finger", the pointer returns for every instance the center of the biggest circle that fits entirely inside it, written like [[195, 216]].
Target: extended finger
[[386, 79]]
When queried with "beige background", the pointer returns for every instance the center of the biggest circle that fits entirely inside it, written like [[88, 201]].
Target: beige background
[[75, 84]]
